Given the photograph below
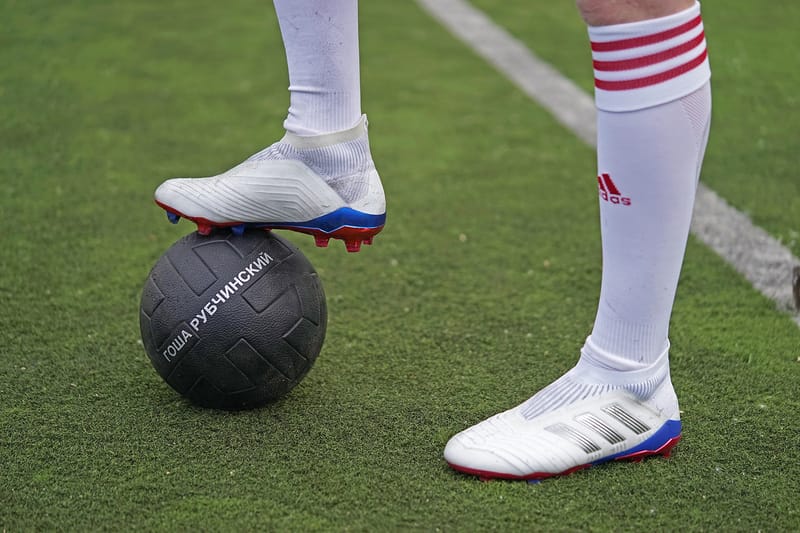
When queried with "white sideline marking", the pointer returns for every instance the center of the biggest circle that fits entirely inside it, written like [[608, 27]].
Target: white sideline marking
[[755, 254]]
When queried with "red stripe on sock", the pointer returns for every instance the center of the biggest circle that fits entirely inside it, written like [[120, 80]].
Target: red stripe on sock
[[638, 83], [639, 62], [624, 44]]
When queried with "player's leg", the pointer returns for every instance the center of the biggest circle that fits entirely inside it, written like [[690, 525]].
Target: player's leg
[[653, 99], [320, 177]]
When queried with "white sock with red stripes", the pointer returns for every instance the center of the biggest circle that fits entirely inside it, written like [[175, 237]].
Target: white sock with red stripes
[[654, 104], [321, 41]]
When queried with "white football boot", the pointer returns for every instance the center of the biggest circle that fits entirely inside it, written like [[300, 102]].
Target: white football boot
[[325, 185], [589, 424]]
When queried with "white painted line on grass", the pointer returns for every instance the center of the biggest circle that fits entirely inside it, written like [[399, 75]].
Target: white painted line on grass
[[755, 254]]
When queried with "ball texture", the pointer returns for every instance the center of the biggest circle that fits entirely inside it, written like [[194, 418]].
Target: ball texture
[[233, 322]]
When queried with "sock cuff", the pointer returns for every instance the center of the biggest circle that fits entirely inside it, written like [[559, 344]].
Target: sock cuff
[[648, 63]]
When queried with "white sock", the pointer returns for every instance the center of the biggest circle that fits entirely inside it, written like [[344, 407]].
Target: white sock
[[652, 158], [321, 41], [654, 106]]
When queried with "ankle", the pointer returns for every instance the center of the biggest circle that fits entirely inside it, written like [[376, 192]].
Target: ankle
[[600, 366], [303, 142]]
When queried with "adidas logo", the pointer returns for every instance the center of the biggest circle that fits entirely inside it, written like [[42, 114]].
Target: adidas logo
[[609, 191]]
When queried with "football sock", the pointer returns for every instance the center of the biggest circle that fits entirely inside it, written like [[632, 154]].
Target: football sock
[[321, 41], [653, 97]]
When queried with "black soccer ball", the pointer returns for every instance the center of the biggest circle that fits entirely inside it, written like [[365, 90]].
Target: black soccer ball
[[233, 321]]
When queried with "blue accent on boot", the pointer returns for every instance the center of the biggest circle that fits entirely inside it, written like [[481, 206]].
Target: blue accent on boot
[[667, 432], [344, 216]]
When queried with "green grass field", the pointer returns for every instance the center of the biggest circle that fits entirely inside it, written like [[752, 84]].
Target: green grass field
[[480, 290]]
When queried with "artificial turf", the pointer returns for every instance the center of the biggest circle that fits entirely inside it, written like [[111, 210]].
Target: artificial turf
[[479, 291]]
